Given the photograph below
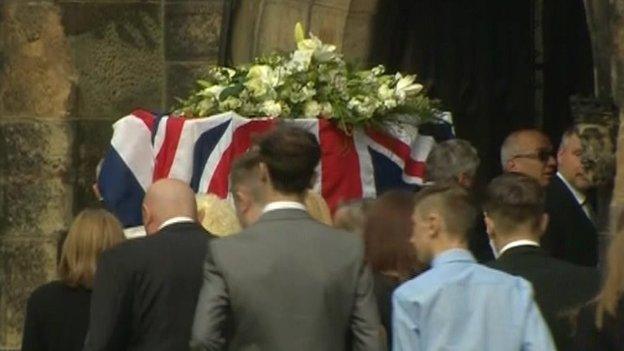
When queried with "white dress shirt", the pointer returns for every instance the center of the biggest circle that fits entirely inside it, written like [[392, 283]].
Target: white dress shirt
[[523, 242], [174, 220], [283, 205]]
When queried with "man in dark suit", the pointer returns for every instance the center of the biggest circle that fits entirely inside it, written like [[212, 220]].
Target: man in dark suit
[[571, 234], [287, 282], [515, 220], [146, 289]]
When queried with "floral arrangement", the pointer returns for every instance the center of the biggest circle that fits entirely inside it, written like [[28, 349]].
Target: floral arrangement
[[314, 81]]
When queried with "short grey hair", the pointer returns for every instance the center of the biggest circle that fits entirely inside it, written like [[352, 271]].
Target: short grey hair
[[448, 159], [511, 146]]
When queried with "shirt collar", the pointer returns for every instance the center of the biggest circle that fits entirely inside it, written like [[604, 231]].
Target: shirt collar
[[283, 205], [580, 197], [174, 220], [452, 255], [523, 242]]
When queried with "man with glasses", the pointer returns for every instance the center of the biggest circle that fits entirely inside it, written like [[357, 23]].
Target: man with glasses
[[529, 152]]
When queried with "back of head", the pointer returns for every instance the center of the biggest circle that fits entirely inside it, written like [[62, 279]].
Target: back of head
[[166, 199], [351, 215], [451, 159], [454, 205], [91, 232], [291, 155], [387, 232], [514, 201]]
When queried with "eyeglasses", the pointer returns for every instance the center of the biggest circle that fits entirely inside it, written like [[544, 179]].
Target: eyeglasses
[[542, 155]]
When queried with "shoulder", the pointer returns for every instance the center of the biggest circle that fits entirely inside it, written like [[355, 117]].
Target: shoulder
[[46, 291]]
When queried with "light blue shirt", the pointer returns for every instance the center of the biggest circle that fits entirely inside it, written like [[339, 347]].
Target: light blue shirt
[[461, 305]]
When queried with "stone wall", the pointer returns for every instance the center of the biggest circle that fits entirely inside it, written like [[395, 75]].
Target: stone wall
[[68, 70]]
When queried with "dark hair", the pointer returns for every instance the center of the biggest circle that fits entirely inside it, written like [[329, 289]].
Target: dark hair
[[514, 199], [452, 202], [387, 231], [291, 155]]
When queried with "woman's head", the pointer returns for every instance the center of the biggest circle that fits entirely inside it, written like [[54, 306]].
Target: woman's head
[[93, 231], [387, 231]]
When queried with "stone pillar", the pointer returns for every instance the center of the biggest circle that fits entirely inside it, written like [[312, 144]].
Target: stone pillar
[[36, 163], [68, 70]]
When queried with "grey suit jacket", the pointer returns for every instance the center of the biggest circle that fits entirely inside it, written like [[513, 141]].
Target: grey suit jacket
[[287, 283]]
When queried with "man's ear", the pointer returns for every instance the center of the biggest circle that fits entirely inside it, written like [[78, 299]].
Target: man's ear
[[490, 226], [242, 201], [510, 166], [435, 224], [147, 215]]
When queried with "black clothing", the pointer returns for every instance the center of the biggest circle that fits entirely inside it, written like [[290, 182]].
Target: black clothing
[[57, 317], [146, 290], [559, 286], [609, 338], [571, 235]]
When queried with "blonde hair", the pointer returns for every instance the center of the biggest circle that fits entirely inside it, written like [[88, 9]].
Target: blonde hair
[[219, 216], [317, 207], [93, 231], [613, 286]]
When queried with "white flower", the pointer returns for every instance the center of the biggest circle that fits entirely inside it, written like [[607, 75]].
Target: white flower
[[271, 108], [256, 87], [264, 74], [311, 109], [327, 109], [321, 52], [300, 60], [390, 103], [230, 104], [299, 32], [406, 86], [378, 70], [385, 92]]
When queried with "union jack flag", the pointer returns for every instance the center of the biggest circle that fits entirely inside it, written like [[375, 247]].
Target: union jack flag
[[146, 147]]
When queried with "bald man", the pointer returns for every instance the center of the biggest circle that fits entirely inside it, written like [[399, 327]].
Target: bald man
[[529, 152], [145, 290]]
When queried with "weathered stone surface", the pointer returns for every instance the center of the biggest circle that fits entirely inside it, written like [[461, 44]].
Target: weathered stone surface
[[37, 78], [35, 206], [192, 30], [182, 79], [117, 51], [36, 148], [92, 142], [24, 265]]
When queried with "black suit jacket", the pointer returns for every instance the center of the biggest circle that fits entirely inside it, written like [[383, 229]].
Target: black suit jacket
[[559, 286], [571, 235], [609, 338], [146, 289]]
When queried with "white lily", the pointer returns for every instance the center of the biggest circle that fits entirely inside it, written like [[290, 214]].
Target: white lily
[[299, 32], [271, 108], [311, 109], [406, 86]]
